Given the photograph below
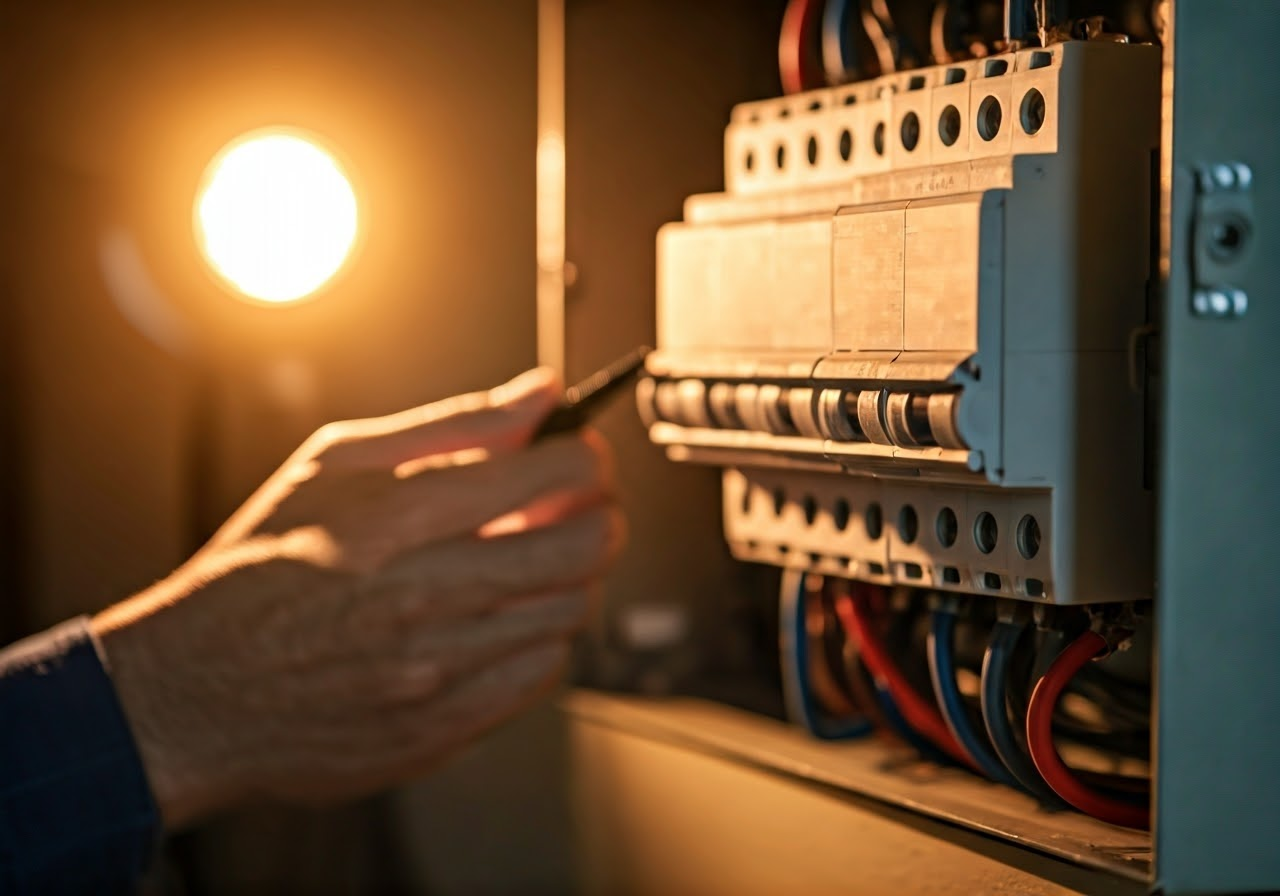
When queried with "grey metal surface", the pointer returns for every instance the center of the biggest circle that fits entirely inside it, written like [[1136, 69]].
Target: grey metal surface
[[1218, 788], [866, 770]]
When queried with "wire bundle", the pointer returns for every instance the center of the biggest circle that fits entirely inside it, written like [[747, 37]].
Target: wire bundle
[[797, 688], [942, 669], [875, 691]]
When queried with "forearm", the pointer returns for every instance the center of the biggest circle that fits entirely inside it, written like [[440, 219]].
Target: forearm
[[76, 811]]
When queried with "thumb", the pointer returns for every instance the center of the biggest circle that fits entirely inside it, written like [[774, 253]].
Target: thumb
[[500, 420]]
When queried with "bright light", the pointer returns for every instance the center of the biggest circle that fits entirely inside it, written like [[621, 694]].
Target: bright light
[[275, 216]]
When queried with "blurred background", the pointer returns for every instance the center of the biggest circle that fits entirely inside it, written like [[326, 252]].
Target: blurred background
[[142, 398]]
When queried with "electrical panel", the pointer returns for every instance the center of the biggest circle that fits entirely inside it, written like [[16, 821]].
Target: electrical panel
[[908, 328]]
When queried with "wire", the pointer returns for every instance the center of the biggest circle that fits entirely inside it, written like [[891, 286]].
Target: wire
[[839, 56], [938, 33], [919, 713], [1044, 698], [795, 666], [942, 669], [877, 703], [830, 694], [865, 693], [898, 725], [798, 68], [996, 663]]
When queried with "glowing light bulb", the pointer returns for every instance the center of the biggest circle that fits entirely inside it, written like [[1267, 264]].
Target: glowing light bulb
[[276, 216]]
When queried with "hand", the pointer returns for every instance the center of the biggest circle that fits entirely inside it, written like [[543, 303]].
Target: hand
[[396, 588]]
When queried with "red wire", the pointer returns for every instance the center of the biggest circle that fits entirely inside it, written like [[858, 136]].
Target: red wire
[[1056, 773], [797, 64], [919, 713]]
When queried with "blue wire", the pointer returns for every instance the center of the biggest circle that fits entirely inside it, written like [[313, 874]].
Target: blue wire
[[942, 669], [893, 715], [837, 42], [995, 712], [794, 638]]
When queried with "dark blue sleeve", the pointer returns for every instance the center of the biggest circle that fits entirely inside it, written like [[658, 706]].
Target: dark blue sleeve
[[76, 811]]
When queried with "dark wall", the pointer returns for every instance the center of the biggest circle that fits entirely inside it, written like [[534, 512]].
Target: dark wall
[[111, 111], [649, 87], [114, 109]]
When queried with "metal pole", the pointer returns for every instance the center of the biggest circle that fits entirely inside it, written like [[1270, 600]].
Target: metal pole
[[550, 185]]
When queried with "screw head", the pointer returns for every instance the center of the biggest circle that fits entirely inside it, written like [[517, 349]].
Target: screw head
[[1224, 176], [1224, 302]]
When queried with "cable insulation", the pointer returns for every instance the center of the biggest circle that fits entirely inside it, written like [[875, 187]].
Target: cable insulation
[[996, 663], [797, 64], [918, 712], [796, 689], [839, 57], [942, 670], [1044, 698]]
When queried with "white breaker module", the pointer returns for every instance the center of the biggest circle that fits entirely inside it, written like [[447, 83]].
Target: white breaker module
[[905, 329]]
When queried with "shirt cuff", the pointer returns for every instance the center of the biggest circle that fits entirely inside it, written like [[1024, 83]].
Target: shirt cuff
[[76, 812]]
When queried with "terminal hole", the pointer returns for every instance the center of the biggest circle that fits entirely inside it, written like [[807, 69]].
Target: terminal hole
[[780, 156], [841, 514], [989, 117], [813, 150], [1040, 59], [910, 131], [1032, 114], [750, 162], [991, 581], [846, 145], [874, 521], [779, 501], [908, 524], [1028, 536], [947, 527], [948, 126], [810, 509], [877, 139], [985, 532]]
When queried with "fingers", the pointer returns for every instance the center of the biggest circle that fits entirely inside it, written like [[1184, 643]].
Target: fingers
[[440, 504], [499, 691], [389, 745], [500, 420], [430, 658], [474, 575]]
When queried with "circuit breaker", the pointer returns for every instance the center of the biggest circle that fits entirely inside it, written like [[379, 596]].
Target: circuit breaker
[[907, 328]]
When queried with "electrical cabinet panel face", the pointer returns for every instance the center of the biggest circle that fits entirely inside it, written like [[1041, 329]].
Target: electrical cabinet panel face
[[906, 329]]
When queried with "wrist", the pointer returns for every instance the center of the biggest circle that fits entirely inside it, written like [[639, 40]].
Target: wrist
[[167, 721]]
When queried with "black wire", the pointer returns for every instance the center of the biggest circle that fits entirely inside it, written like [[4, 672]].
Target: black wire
[[996, 665]]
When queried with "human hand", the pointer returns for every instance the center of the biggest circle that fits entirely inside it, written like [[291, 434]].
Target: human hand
[[399, 586]]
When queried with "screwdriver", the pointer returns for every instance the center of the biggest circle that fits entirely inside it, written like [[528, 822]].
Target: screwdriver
[[584, 399]]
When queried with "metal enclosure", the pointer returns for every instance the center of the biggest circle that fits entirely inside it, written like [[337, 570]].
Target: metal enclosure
[[1218, 788], [1217, 804]]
